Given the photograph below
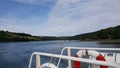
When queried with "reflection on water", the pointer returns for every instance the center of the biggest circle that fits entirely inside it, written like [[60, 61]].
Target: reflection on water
[[16, 55]]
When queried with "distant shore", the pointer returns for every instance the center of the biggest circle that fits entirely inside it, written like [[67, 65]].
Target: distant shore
[[115, 41], [103, 41], [109, 35]]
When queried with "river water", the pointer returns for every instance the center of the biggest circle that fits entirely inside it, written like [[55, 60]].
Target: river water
[[17, 54]]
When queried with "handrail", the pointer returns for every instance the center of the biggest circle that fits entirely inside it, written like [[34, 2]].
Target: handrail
[[75, 59], [112, 49]]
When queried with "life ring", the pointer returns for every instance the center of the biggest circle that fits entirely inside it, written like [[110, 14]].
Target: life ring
[[92, 53], [48, 65]]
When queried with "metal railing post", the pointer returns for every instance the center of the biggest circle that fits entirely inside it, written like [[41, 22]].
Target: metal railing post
[[69, 55], [37, 61]]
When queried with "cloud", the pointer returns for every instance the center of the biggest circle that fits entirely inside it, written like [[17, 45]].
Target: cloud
[[67, 17], [46, 3], [10, 24], [30, 26], [70, 17]]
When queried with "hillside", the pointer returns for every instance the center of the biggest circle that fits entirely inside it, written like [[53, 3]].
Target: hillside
[[111, 33], [6, 36], [108, 34]]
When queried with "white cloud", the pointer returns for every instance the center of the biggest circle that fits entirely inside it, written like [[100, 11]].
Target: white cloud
[[30, 26], [10, 24], [70, 17], [46, 3]]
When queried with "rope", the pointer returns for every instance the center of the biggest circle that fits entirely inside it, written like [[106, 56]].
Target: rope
[[51, 60]]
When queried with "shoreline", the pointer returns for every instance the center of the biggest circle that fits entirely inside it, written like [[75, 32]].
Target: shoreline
[[105, 41], [102, 41], [115, 41]]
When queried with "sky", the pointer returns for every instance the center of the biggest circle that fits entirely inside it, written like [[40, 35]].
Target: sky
[[58, 17]]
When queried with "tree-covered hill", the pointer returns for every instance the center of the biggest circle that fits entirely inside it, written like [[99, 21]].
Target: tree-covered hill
[[6, 36], [108, 33], [111, 33]]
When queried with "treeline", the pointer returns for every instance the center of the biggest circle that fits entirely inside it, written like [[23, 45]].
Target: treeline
[[44, 38], [111, 33], [6, 36], [108, 33]]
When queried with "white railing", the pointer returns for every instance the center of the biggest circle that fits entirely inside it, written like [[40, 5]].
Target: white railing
[[80, 48], [69, 58]]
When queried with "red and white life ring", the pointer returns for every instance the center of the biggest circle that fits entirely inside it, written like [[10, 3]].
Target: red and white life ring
[[92, 53]]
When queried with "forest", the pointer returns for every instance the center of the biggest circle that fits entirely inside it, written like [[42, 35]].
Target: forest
[[111, 33], [6, 36]]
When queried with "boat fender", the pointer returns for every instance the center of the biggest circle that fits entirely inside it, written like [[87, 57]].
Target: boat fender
[[48, 65], [92, 53]]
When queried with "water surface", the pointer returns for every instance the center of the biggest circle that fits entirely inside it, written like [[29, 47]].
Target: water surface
[[17, 54]]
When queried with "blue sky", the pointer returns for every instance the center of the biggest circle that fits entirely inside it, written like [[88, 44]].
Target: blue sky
[[58, 17]]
